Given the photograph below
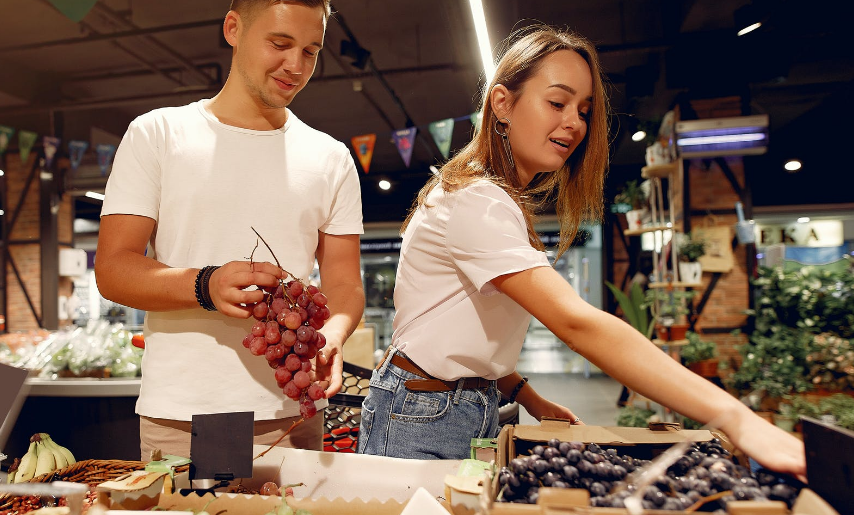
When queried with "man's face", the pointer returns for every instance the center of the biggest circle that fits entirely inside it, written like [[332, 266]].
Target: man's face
[[276, 52]]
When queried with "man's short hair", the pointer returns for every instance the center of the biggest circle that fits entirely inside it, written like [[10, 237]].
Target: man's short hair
[[248, 9]]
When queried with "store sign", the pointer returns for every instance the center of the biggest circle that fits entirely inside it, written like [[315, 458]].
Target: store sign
[[382, 246], [819, 233]]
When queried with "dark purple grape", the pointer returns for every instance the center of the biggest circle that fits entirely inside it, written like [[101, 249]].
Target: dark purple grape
[[538, 449], [518, 466], [597, 489], [551, 452], [570, 473], [573, 456], [540, 467], [550, 478], [553, 442], [564, 448], [592, 447]]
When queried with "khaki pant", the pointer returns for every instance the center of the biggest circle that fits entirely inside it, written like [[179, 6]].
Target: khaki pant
[[173, 436]]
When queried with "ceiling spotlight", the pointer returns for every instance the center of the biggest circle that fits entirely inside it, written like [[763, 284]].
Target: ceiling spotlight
[[384, 185], [803, 219], [638, 136], [2, 173], [792, 165], [2, 212], [747, 19]]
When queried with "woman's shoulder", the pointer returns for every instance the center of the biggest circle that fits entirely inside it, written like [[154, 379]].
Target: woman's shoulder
[[485, 191]]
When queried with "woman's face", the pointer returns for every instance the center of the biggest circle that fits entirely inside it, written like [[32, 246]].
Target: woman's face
[[549, 118]]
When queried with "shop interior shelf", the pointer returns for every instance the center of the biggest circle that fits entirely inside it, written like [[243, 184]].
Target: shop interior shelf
[[674, 285], [644, 230], [659, 171]]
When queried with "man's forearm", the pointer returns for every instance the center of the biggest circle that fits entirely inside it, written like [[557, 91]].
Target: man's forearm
[[142, 283], [347, 304]]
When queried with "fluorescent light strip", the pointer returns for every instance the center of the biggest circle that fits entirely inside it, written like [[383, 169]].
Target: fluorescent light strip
[[712, 140], [95, 195], [482, 38], [749, 28]]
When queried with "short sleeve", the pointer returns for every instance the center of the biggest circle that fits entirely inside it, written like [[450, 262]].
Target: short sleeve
[[346, 214], [487, 236], [134, 184]]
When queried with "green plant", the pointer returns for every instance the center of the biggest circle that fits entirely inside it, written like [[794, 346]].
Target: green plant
[[632, 416], [773, 364], [698, 349], [691, 249], [669, 303], [634, 307], [633, 194], [831, 362]]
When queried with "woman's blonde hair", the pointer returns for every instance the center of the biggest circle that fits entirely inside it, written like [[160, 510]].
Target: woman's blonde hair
[[576, 187]]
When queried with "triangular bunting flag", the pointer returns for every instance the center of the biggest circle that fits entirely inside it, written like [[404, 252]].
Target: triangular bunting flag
[[403, 140], [51, 145], [26, 140], [441, 132], [105, 156], [75, 10], [6, 134], [364, 147], [76, 149], [475, 120]]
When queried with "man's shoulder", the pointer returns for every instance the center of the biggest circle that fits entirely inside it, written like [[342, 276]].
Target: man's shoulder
[[170, 114], [316, 137]]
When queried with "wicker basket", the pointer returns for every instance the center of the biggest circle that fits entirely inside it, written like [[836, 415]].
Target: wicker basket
[[90, 472]]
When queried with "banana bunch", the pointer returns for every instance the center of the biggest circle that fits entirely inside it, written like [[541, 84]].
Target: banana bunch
[[43, 456]]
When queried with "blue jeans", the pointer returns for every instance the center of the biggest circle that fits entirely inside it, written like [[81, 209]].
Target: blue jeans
[[424, 425]]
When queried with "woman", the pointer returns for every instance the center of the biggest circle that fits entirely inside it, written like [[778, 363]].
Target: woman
[[472, 272]]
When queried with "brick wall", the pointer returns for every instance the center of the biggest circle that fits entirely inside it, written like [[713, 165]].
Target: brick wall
[[25, 246]]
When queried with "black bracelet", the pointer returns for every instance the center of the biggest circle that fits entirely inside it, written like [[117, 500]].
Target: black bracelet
[[516, 390], [203, 292]]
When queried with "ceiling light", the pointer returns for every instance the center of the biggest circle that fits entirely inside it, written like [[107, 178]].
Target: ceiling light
[[638, 136], [749, 28], [434, 170], [792, 165], [2, 212], [95, 195], [803, 219], [725, 138], [482, 38], [384, 185], [747, 19], [714, 137], [2, 173]]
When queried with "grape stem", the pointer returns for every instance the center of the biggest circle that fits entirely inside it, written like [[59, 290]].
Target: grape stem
[[295, 424], [272, 253]]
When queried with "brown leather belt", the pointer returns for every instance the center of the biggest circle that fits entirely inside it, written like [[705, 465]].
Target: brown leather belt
[[432, 384]]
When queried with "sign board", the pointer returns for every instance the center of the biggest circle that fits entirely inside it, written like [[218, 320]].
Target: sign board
[[818, 233]]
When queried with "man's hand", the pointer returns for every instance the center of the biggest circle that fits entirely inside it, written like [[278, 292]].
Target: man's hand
[[228, 285], [329, 367]]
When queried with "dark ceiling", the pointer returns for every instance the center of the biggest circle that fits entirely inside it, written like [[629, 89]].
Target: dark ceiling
[[88, 80]]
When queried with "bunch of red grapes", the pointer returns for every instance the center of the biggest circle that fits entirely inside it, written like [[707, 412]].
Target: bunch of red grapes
[[286, 333]]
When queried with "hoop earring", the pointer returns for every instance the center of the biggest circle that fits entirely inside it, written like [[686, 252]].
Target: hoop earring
[[502, 122]]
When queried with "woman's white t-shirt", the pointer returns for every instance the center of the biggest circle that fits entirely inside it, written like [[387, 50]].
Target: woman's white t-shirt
[[206, 184], [450, 319]]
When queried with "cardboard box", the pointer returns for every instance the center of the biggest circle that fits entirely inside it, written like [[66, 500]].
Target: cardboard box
[[638, 442], [336, 483]]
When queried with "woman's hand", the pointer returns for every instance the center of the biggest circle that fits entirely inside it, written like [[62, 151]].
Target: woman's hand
[[540, 408], [769, 445]]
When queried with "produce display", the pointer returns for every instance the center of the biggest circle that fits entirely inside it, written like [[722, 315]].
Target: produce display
[[286, 334], [43, 456], [100, 349], [705, 478]]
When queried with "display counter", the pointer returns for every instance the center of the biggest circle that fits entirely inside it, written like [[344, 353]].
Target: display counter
[[94, 418]]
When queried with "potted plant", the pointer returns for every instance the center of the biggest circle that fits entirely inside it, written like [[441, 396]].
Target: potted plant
[[634, 195], [700, 355], [634, 307], [690, 250], [670, 307], [633, 416]]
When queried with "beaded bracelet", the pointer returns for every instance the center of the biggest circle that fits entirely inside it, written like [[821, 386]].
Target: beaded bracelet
[[517, 390], [203, 292]]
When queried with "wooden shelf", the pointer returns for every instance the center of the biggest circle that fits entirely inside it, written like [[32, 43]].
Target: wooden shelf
[[659, 171], [673, 343], [678, 284], [644, 230]]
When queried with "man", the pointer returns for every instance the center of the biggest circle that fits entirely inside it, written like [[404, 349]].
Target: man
[[192, 182]]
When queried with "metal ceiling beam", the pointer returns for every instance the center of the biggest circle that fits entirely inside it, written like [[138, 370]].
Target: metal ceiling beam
[[178, 58], [111, 35]]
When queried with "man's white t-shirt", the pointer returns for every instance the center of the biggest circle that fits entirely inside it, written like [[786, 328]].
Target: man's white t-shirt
[[450, 319], [206, 184]]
